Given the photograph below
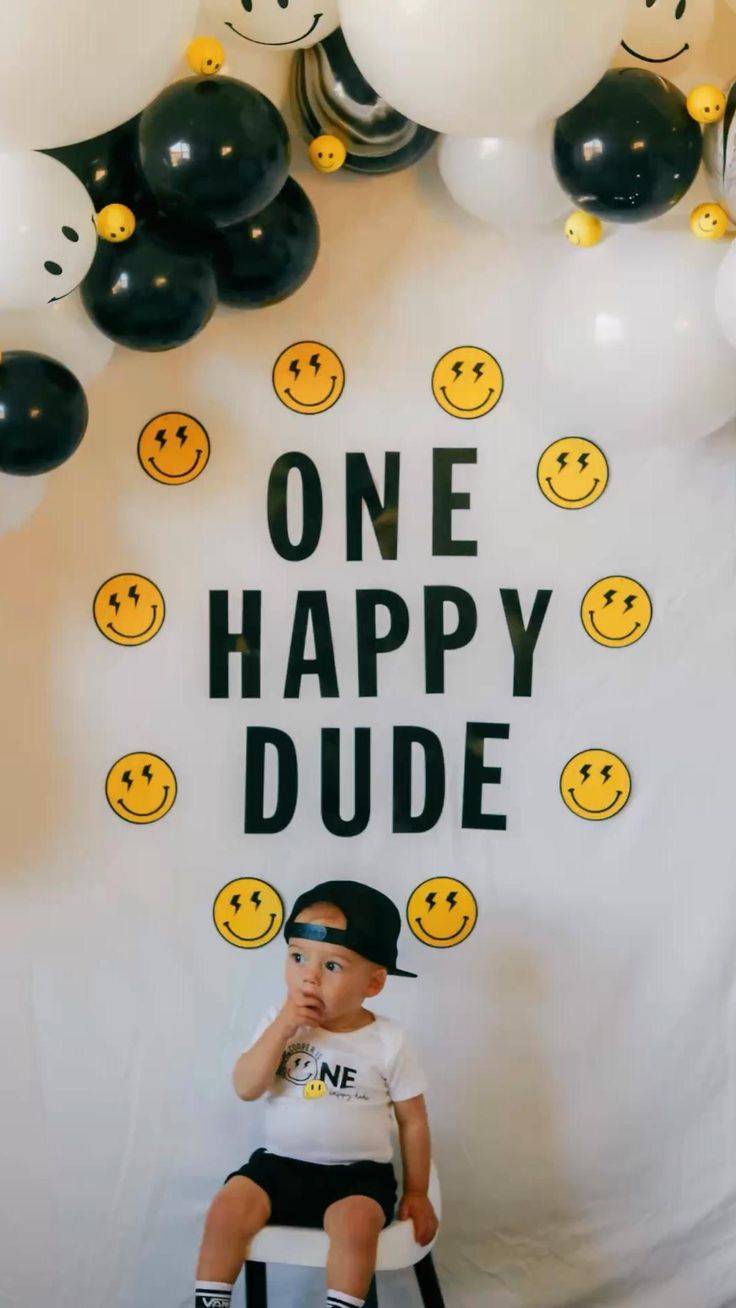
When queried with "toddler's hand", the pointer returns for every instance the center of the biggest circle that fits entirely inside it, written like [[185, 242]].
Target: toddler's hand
[[300, 1010], [418, 1209]]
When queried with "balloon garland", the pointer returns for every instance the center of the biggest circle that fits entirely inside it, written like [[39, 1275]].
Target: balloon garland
[[180, 199]]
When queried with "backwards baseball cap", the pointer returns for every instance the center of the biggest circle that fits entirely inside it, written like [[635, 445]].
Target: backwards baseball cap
[[373, 922]]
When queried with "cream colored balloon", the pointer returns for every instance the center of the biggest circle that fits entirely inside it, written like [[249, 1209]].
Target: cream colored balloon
[[19, 499], [483, 67], [64, 331], [73, 69]]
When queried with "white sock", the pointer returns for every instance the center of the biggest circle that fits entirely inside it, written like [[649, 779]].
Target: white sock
[[212, 1294], [336, 1299]]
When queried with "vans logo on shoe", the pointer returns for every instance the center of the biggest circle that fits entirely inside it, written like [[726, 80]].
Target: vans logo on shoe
[[213, 1301]]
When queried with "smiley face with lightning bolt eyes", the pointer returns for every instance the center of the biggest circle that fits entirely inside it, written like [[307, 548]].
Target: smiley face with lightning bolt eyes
[[616, 612], [141, 788], [572, 473], [308, 377], [467, 382], [595, 785], [248, 913], [173, 449], [129, 609], [442, 912]]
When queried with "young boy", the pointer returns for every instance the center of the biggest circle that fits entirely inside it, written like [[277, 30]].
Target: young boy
[[330, 1070]]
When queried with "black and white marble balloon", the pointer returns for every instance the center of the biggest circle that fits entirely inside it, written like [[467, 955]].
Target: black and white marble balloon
[[330, 95], [719, 154]]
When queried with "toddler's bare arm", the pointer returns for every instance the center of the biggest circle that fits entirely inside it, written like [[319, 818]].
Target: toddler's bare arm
[[416, 1151], [256, 1068]]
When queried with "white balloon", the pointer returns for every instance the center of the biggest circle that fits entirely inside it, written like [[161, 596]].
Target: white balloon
[[726, 296], [482, 67], [76, 68], [63, 331], [19, 498], [664, 36], [47, 230], [291, 26], [631, 348], [508, 181]]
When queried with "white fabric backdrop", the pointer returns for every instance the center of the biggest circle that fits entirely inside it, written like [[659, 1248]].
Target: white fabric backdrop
[[581, 1043]]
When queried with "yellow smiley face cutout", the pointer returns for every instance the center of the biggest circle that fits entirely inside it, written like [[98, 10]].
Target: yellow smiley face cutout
[[315, 1090], [595, 785], [129, 609], [309, 377], [572, 473], [174, 449], [442, 912], [141, 788], [248, 913], [616, 612], [467, 382]]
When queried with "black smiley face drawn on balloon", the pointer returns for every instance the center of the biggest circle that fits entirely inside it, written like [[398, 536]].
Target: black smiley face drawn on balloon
[[286, 23], [637, 39], [55, 269]]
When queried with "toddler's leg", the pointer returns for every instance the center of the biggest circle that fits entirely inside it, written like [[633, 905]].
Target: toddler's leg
[[237, 1213], [353, 1226]]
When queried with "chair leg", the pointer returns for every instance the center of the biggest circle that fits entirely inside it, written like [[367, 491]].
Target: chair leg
[[256, 1294], [372, 1297], [429, 1286]]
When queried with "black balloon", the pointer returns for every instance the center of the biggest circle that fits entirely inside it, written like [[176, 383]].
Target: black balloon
[[213, 149], [108, 167], [43, 413], [154, 292], [269, 256], [630, 150]]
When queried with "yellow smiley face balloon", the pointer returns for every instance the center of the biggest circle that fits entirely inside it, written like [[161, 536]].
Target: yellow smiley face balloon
[[327, 154], [616, 612], [572, 473], [442, 912], [595, 785], [115, 223], [706, 104], [248, 913], [205, 55], [467, 382], [308, 377], [173, 449], [315, 1090], [141, 788], [709, 222], [129, 609], [583, 229]]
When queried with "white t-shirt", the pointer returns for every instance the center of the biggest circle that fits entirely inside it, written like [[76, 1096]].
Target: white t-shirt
[[364, 1071]]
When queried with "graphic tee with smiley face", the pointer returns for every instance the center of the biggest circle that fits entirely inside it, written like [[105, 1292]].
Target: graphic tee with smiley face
[[364, 1073]]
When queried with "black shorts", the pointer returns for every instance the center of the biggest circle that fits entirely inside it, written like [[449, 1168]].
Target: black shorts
[[301, 1193]]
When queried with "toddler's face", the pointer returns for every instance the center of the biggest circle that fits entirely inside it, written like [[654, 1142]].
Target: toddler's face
[[339, 977]]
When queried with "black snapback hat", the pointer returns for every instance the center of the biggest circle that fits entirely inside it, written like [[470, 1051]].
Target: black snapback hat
[[373, 922]]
